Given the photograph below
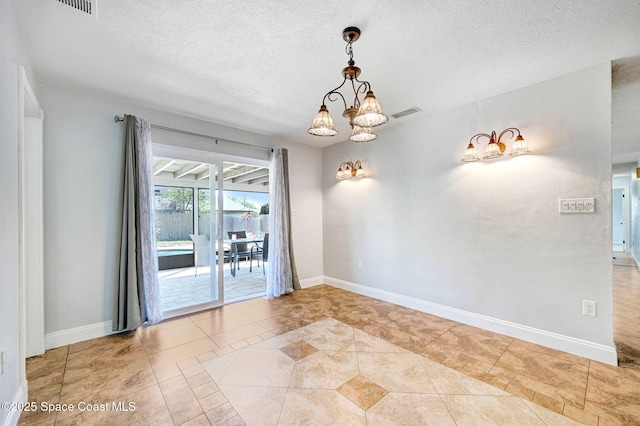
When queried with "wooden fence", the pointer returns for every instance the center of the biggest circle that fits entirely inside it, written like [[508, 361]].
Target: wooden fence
[[177, 226]]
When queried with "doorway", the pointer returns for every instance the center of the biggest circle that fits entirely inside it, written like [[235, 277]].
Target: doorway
[[620, 212], [199, 205]]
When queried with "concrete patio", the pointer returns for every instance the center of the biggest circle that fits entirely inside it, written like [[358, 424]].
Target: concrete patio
[[181, 287]]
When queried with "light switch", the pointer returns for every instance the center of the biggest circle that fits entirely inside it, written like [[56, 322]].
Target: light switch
[[577, 205]]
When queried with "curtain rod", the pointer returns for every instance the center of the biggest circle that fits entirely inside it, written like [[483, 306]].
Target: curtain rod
[[185, 132]]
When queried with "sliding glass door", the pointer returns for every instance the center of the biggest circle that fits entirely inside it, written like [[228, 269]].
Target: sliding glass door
[[188, 235], [211, 224]]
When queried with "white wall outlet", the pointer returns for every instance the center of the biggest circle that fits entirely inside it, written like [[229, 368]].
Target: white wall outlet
[[589, 308], [360, 264]]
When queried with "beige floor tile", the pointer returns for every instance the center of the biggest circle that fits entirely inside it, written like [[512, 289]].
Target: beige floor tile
[[258, 367], [396, 372], [217, 324], [298, 350], [180, 350], [201, 420], [490, 410], [452, 382], [166, 338], [330, 335], [182, 403], [362, 392], [409, 409], [256, 405], [320, 407], [365, 342], [237, 334], [324, 370]]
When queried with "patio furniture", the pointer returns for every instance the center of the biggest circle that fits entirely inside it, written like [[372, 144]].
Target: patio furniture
[[240, 249], [260, 253], [203, 253]]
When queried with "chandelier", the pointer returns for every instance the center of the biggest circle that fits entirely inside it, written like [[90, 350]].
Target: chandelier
[[363, 116]]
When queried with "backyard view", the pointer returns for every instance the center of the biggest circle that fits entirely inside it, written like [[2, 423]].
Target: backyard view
[[186, 252]]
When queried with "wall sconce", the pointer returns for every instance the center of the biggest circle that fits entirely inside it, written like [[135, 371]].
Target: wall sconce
[[495, 148], [349, 170]]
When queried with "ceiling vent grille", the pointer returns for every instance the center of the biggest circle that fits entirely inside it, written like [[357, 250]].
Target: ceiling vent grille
[[406, 112], [86, 6]]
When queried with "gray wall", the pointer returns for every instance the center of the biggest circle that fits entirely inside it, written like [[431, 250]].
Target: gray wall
[[486, 237], [12, 53], [83, 168]]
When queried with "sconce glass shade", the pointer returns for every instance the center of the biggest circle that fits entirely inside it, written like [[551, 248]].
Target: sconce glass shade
[[370, 113], [323, 124], [359, 173], [341, 175], [362, 134], [492, 151], [519, 147], [470, 154]]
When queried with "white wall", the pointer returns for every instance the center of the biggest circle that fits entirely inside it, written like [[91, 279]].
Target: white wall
[[12, 53], [483, 242], [83, 167]]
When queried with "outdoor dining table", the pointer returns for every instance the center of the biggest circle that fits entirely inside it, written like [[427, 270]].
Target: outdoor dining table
[[233, 244]]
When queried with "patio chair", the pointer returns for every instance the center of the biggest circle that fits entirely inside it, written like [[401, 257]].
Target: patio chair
[[241, 249], [260, 253], [203, 253]]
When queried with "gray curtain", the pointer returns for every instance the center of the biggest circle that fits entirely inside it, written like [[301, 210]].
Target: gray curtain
[[282, 276], [136, 297]]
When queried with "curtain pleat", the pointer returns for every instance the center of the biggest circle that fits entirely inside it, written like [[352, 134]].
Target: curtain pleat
[[279, 271], [136, 297], [285, 170]]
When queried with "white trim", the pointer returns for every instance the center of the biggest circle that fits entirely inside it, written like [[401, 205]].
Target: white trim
[[78, 334], [583, 348], [310, 282], [13, 416]]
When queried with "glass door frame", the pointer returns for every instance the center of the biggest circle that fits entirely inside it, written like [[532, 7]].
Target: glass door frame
[[215, 160]]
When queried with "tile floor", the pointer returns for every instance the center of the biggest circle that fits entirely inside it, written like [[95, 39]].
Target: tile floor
[[385, 361]]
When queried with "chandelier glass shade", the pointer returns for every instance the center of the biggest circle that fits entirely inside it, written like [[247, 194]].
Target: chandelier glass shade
[[323, 124], [362, 115]]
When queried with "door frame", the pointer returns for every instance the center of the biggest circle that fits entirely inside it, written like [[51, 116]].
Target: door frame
[[217, 159], [626, 215], [31, 220]]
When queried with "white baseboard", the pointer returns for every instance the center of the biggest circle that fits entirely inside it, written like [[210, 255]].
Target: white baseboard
[[13, 416], [583, 348], [310, 282], [78, 334]]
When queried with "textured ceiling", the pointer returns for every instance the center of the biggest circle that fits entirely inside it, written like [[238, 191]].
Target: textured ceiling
[[264, 66]]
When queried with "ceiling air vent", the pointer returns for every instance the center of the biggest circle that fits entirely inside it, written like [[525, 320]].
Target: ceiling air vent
[[406, 112], [86, 6]]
